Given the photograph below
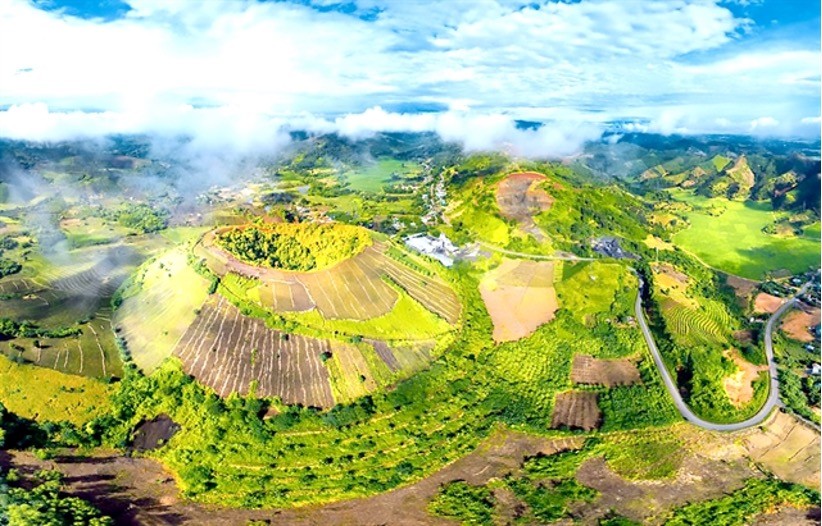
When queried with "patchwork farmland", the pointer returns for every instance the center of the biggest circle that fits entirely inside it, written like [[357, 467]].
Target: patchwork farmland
[[91, 353], [73, 291], [233, 353], [519, 296], [354, 289]]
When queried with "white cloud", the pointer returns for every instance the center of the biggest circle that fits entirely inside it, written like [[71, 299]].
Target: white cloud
[[254, 66], [251, 132], [764, 122]]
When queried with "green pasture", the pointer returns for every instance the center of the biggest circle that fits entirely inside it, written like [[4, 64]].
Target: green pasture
[[372, 177], [734, 241]]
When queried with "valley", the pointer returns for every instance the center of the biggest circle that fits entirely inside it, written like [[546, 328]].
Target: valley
[[318, 367]]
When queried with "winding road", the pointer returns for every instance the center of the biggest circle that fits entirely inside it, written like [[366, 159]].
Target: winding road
[[670, 384]]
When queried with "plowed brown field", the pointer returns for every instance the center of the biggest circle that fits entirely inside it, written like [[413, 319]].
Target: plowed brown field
[[576, 410], [228, 352], [591, 371]]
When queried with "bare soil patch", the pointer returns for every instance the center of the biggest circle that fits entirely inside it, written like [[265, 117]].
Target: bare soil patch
[[765, 303], [790, 517], [743, 288], [138, 491], [154, 433], [739, 386], [592, 371], [576, 410], [519, 296], [744, 336], [520, 197], [648, 501], [787, 447], [797, 323]]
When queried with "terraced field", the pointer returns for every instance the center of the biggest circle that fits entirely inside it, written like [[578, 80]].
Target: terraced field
[[355, 289], [707, 324], [230, 353]]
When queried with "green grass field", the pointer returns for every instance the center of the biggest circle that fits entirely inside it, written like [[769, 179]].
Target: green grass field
[[734, 241], [372, 178], [93, 231], [392, 326], [159, 304], [589, 289]]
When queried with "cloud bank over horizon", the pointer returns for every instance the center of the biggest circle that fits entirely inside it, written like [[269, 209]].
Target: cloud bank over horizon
[[241, 73]]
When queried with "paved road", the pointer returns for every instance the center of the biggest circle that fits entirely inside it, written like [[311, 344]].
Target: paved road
[[569, 257], [670, 384]]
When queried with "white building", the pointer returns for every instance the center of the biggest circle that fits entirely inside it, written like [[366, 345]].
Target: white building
[[440, 248]]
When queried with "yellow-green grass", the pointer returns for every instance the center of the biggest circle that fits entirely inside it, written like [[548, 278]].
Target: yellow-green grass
[[474, 210], [590, 288], [44, 394], [408, 320], [184, 234], [160, 302], [812, 232], [371, 178], [654, 242], [350, 372], [651, 455], [735, 243], [704, 325], [720, 162], [485, 226], [92, 231], [358, 207]]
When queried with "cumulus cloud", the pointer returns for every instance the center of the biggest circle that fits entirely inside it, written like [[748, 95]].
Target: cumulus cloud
[[237, 72]]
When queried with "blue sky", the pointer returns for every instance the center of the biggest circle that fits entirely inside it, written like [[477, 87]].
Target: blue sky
[[464, 68]]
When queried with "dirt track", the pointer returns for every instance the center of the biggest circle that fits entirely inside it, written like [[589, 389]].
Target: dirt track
[[139, 491]]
